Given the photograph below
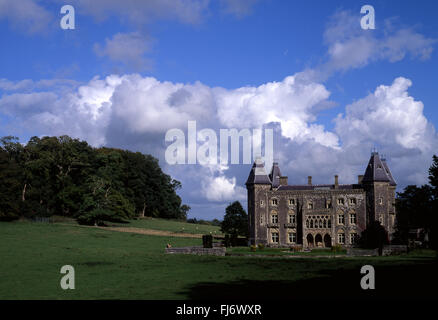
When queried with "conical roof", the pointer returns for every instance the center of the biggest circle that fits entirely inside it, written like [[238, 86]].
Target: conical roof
[[275, 175], [258, 175], [375, 170], [388, 172]]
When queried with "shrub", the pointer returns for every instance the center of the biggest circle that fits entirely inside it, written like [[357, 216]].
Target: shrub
[[253, 248], [261, 246], [337, 248], [295, 248], [10, 216]]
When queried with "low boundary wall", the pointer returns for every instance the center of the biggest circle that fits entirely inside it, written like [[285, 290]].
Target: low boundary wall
[[215, 251]]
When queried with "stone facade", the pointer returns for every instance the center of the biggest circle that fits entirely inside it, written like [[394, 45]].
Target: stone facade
[[318, 215]]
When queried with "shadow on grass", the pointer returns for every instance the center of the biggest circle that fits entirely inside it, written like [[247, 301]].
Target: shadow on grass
[[393, 282]]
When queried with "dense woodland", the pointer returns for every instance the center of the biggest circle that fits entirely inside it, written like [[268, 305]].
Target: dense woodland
[[67, 177]]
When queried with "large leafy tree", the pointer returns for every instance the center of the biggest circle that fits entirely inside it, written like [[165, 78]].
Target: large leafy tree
[[65, 176], [433, 180], [10, 177], [235, 220], [414, 210]]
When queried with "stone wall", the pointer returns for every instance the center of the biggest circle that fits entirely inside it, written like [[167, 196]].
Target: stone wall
[[394, 250], [362, 252], [216, 251]]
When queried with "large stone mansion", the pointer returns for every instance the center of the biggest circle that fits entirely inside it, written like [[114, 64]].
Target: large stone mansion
[[318, 215]]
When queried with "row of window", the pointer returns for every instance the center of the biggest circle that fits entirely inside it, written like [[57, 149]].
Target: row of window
[[353, 238], [317, 221], [291, 218], [292, 237], [353, 218], [328, 202]]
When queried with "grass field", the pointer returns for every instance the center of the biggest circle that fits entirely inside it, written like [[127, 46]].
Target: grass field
[[171, 225], [117, 265]]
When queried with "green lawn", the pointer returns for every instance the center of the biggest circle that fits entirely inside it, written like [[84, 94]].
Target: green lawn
[[117, 265], [171, 225]]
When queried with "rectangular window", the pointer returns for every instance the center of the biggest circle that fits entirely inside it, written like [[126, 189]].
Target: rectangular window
[[291, 202], [341, 219], [341, 201], [341, 238], [274, 218], [380, 201], [353, 238], [352, 218], [274, 202], [353, 201], [262, 202], [274, 237], [328, 204], [310, 205], [292, 218], [292, 237]]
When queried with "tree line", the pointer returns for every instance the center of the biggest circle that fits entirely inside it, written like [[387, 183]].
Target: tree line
[[68, 177], [417, 207]]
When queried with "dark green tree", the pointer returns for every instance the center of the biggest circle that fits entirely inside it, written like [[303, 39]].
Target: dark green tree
[[235, 221], [414, 210], [374, 236], [65, 176], [433, 221]]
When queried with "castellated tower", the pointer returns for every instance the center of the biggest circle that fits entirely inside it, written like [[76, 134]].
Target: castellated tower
[[258, 184], [380, 186]]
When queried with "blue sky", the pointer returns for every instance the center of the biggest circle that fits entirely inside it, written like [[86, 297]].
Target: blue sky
[[109, 81]]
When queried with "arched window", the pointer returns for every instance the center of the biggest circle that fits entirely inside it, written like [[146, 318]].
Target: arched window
[[311, 223]]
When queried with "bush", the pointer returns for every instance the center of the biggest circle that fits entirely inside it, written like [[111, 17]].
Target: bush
[[261, 246], [10, 216], [253, 248], [337, 248], [295, 248]]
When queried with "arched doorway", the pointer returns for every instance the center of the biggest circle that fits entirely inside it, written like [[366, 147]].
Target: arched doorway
[[327, 241], [309, 240], [318, 240]]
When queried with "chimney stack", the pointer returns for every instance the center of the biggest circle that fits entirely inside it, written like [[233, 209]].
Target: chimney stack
[[336, 181], [359, 179], [283, 181], [309, 180]]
